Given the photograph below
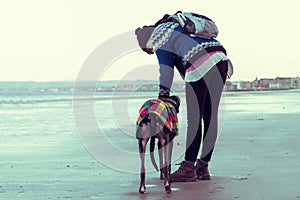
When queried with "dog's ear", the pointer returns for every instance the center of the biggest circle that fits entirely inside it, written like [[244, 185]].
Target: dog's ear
[[176, 99]]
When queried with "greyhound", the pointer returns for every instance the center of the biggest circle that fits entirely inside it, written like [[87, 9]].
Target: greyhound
[[158, 119]]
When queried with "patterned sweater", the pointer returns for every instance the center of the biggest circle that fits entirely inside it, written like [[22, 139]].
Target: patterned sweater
[[164, 110], [192, 56]]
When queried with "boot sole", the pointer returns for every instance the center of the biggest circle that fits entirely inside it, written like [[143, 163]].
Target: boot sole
[[192, 179], [203, 178]]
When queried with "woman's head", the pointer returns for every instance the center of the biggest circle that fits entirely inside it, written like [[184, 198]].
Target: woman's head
[[143, 34]]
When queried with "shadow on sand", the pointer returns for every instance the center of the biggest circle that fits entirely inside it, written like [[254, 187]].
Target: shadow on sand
[[204, 190]]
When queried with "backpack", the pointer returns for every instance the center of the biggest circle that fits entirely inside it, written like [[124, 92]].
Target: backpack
[[193, 24]]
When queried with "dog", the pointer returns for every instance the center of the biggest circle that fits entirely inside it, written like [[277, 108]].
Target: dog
[[157, 119]]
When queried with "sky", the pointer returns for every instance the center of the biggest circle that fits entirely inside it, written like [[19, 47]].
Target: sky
[[50, 40]]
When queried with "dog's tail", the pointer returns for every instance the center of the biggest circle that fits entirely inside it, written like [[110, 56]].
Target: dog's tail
[[152, 146]]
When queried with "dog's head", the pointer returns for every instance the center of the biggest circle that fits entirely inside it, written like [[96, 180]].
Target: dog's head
[[174, 100]]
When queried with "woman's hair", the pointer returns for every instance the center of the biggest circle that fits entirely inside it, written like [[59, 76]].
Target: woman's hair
[[143, 34]]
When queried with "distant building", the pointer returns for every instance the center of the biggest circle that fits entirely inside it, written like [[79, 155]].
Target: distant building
[[264, 84], [288, 82], [295, 82], [229, 86], [274, 85], [260, 86], [244, 85]]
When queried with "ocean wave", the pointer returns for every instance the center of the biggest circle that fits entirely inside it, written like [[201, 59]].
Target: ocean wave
[[69, 100]]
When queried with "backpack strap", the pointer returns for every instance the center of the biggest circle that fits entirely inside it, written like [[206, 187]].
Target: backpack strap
[[163, 20], [181, 18]]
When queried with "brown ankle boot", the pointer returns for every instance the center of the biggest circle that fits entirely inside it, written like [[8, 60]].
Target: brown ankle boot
[[202, 170], [185, 173]]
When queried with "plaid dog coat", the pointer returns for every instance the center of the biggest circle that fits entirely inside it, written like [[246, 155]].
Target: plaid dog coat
[[164, 110]]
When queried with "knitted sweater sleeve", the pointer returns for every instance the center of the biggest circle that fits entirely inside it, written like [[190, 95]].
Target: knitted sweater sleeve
[[166, 69], [166, 58]]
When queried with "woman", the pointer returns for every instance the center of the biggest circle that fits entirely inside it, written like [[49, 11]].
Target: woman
[[204, 66]]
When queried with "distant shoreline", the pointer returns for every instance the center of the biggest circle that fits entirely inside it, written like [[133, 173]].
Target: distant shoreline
[[236, 90], [258, 90], [92, 96], [58, 87]]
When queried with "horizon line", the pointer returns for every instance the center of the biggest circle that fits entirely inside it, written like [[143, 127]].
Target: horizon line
[[49, 81]]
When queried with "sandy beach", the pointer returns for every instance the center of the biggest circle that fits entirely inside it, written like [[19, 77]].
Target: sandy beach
[[257, 157]]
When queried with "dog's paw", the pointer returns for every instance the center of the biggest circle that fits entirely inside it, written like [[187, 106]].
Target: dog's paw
[[142, 190], [168, 189]]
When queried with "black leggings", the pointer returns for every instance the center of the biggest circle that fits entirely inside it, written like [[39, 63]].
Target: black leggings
[[203, 98]]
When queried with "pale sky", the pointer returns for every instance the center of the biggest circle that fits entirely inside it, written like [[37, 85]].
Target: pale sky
[[49, 40]]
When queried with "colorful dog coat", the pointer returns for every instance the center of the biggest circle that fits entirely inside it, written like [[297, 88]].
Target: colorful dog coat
[[164, 110]]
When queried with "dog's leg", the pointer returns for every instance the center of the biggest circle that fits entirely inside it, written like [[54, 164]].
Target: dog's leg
[[160, 155], [170, 149], [165, 155], [167, 158], [142, 151]]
